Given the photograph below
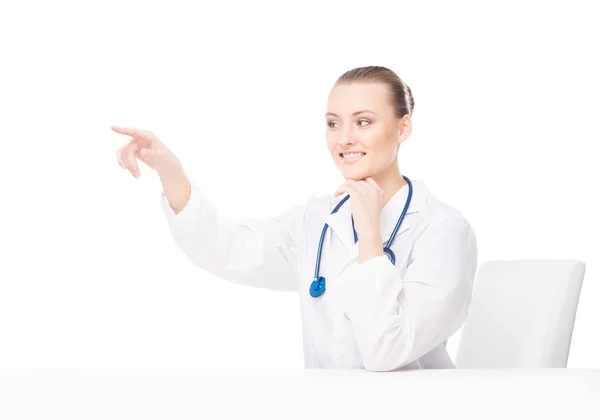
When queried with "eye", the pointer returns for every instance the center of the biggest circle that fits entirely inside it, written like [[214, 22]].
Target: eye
[[359, 121]]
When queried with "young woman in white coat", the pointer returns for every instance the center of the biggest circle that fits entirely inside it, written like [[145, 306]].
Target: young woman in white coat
[[361, 307]]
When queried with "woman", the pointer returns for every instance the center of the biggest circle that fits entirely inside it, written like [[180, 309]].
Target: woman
[[361, 307]]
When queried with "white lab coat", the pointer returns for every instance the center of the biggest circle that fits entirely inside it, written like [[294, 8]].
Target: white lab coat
[[374, 315]]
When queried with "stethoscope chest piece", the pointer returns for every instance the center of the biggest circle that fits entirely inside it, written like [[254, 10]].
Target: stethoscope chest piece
[[317, 287]]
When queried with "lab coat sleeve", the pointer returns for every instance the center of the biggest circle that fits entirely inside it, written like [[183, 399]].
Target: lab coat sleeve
[[253, 252], [396, 316]]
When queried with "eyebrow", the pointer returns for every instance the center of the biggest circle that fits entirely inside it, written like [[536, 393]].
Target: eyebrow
[[356, 113]]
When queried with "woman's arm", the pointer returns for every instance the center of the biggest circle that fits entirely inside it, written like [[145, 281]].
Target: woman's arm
[[254, 252], [398, 317]]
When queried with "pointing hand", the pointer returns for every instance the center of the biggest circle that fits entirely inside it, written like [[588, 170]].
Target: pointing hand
[[146, 147]]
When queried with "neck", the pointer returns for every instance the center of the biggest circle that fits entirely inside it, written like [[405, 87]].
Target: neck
[[390, 181]]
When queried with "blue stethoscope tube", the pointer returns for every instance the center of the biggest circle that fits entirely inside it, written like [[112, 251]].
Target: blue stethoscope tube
[[317, 287]]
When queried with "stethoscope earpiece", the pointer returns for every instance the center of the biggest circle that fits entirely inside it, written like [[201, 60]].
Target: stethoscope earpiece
[[317, 287]]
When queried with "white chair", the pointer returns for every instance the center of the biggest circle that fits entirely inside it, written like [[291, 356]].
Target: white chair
[[522, 314]]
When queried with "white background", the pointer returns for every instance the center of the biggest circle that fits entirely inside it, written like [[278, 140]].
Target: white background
[[504, 129]]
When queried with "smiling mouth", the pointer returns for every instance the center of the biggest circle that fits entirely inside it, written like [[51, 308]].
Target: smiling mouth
[[351, 160]]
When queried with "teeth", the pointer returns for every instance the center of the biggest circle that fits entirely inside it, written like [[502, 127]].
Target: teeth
[[352, 155]]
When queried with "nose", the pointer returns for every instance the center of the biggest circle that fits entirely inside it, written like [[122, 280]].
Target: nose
[[346, 137]]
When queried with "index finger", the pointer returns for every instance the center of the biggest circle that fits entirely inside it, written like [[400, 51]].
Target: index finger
[[344, 188], [371, 181], [129, 131]]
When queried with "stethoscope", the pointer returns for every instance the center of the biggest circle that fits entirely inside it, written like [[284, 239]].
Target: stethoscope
[[317, 287]]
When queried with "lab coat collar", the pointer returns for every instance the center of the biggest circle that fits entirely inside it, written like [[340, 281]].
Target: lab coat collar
[[341, 223]]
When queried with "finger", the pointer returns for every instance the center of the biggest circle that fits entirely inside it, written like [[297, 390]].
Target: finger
[[370, 185], [345, 188], [371, 181], [144, 137], [354, 182], [374, 183], [130, 159], [129, 131], [339, 191], [359, 186], [120, 159]]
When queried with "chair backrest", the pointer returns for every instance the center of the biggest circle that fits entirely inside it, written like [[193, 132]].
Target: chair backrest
[[521, 315]]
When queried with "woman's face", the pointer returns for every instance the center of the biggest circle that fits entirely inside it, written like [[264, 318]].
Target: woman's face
[[360, 118]]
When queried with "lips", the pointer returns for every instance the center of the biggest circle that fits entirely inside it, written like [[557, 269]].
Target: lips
[[351, 160], [349, 153]]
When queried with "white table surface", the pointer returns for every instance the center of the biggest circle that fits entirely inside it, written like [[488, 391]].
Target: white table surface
[[298, 394]]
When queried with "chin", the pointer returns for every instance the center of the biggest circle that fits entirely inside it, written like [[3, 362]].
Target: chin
[[355, 175], [353, 172]]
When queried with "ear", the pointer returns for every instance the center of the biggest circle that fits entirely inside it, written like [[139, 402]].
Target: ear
[[404, 128]]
